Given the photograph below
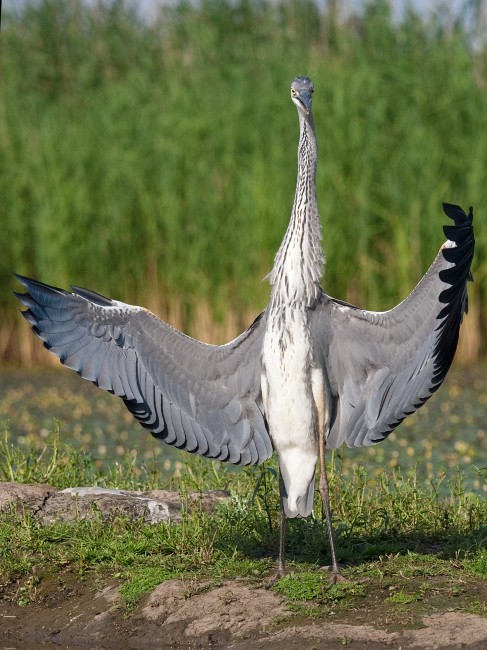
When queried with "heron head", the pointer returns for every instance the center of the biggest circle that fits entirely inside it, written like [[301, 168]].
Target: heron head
[[301, 93]]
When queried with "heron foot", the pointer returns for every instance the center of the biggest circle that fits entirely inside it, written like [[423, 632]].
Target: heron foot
[[336, 576], [280, 573]]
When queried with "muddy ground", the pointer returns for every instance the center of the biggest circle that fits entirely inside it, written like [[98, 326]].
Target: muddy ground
[[233, 614]]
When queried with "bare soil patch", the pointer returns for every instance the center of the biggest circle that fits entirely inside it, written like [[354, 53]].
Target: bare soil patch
[[232, 614]]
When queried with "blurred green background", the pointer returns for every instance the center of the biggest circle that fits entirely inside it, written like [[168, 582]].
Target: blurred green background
[[155, 161]]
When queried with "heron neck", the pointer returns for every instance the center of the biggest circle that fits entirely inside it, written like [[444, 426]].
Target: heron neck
[[298, 266]]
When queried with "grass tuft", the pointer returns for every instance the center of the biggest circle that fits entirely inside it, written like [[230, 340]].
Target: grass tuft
[[401, 598], [315, 585], [138, 582]]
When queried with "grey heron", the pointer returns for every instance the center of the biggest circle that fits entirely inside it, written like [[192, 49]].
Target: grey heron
[[311, 373]]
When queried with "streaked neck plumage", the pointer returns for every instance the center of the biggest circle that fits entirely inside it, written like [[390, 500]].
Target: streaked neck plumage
[[298, 265]]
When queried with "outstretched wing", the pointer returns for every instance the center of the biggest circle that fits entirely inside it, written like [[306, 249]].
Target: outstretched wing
[[202, 398], [384, 366]]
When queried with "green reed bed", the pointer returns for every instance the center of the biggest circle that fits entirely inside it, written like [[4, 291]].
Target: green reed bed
[[155, 162]]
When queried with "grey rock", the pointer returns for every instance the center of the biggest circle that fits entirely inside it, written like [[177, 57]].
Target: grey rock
[[20, 495], [48, 505]]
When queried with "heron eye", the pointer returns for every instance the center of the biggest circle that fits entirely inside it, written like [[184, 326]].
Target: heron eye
[[293, 92]]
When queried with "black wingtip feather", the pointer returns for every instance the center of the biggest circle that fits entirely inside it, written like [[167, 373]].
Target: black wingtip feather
[[455, 296], [458, 215], [92, 296], [30, 283]]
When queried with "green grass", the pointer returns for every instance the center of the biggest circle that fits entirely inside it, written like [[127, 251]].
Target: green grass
[[401, 598], [156, 162], [141, 581], [312, 586], [391, 534]]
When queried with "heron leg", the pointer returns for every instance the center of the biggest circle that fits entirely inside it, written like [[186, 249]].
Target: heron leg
[[335, 574], [281, 562], [281, 567]]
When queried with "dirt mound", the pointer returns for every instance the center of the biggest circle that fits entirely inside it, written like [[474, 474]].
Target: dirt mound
[[449, 630]]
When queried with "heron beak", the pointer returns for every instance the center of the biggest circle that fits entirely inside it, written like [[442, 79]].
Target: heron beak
[[304, 100]]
